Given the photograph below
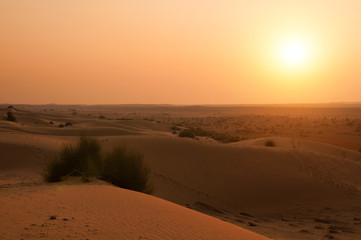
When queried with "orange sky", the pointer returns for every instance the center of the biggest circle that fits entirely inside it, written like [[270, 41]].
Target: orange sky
[[178, 52]]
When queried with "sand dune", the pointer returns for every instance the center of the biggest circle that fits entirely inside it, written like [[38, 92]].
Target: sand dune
[[250, 177], [101, 211], [298, 189], [305, 146]]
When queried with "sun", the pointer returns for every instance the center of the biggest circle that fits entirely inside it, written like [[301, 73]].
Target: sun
[[292, 58], [294, 53]]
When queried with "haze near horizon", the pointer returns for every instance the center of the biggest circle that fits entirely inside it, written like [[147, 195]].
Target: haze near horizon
[[179, 52]]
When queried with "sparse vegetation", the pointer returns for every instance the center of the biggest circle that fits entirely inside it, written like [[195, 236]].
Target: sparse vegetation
[[81, 159], [225, 138], [125, 169], [175, 128], [187, 133], [61, 125], [149, 119], [68, 124], [193, 132], [269, 143], [10, 116], [124, 118], [120, 166]]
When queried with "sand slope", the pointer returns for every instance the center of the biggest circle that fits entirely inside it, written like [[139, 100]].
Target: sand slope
[[101, 211], [232, 176]]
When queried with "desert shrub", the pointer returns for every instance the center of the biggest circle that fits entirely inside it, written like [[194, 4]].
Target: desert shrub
[[269, 143], [101, 117], [120, 167], [359, 150], [10, 117], [125, 169], [68, 124], [221, 137], [200, 132], [61, 125], [148, 119], [175, 128], [225, 138], [54, 170], [80, 159], [86, 156], [52, 123], [187, 133]]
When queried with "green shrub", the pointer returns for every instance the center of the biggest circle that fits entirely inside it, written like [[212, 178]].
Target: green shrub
[[120, 167], [56, 169], [77, 160], [125, 169], [10, 117], [269, 143]]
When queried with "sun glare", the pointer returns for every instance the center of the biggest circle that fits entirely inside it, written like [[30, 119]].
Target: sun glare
[[292, 58], [294, 53]]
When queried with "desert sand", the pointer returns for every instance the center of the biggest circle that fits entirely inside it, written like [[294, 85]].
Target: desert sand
[[307, 186]]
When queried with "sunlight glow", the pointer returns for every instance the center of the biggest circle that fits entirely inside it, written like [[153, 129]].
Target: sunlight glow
[[294, 53]]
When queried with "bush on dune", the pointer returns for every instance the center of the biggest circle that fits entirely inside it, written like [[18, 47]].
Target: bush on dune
[[187, 133], [124, 168], [10, 117], [269, 143], [120, 167], [75, 160]]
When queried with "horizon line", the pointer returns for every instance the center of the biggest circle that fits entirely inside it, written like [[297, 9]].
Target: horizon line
[[186, 105]]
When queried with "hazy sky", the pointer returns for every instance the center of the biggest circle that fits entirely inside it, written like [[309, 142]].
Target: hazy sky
[[179, 52]]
